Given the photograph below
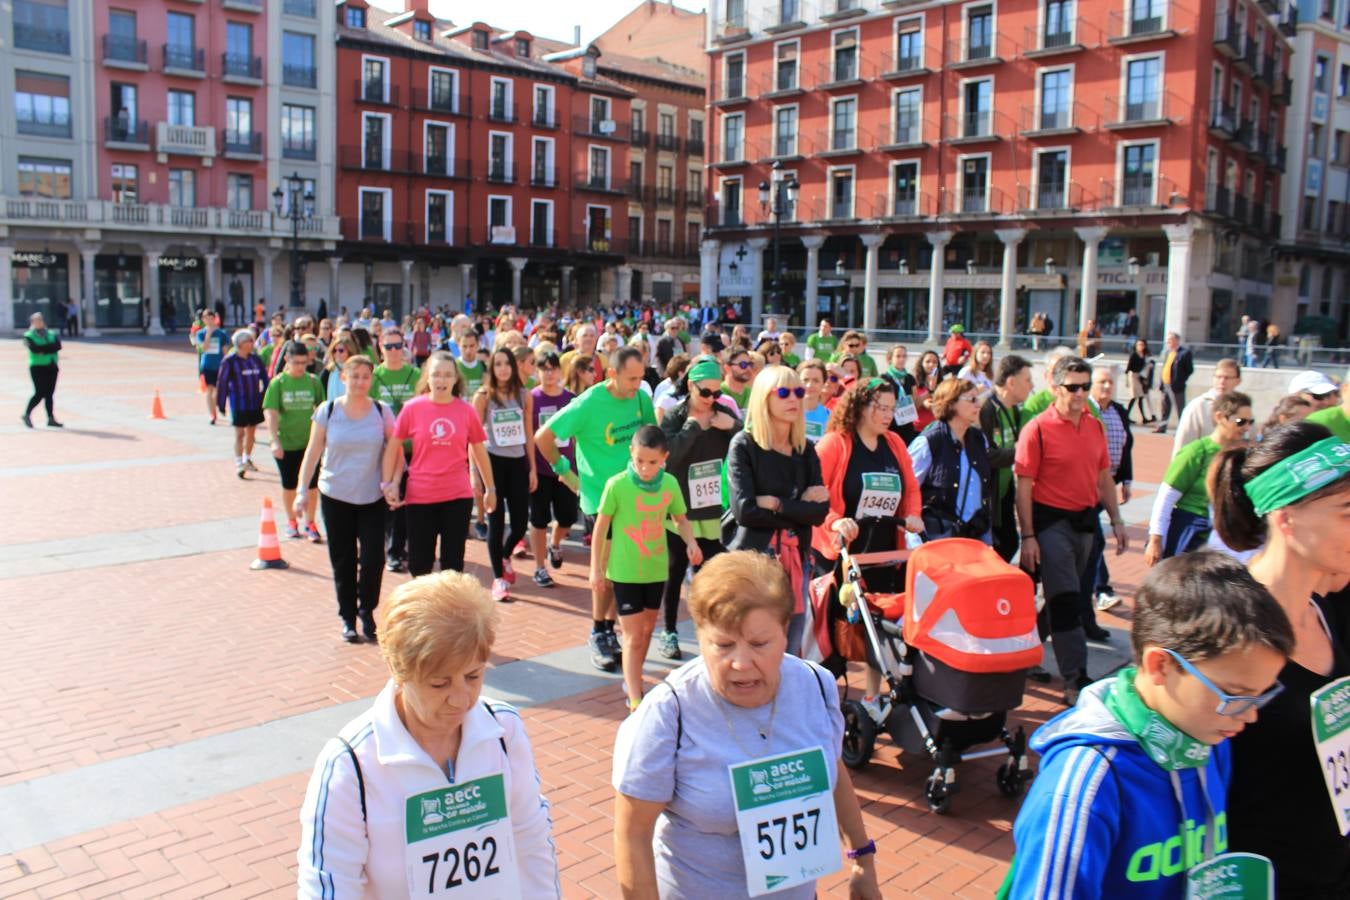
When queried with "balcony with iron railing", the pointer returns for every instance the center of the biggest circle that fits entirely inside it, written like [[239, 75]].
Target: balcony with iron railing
[[1054, 197], [1258, 220], [442, 101], [1240, 203], [668, 142], [844, 71], [376, 91], [1068, 34], [241, 68], [598, 182], [836, 10], [543, 176], [785, 15], [241, 144], [1136, 25], [665, 195], [1228, 38], [299, 75], [599, 244], [1143, 111], [301, 149], [440, 164], [640, 138], [1054, 120], [1138, 190], [1282, 90], [637, 191], [693, 146], [1250, 59], [693, 198], [1223, 122], [971, 127], [1288, 24], [125, 133], [305, 9], [503, 111], [112, 215], [1266, 73], [180, 60], [600, 128], [907, 204], [41, 37], [992, 201], [1258, 143], [909, 132], [733, 89], [914, 64], [1242, 136], [186, 140], [1276, 156], [962, 54], [124, 52], [841, 142], [497, 171]]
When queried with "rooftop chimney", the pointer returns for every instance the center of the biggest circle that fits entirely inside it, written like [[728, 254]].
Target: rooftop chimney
[[576, 35]]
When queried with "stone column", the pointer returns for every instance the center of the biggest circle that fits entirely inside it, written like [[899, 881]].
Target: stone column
[[1007, 310], [268, 256], [873, 244], [465, 283], [334, 285], [709, 259], [7, 323], [89, 297], [1179, 238], [812, 243], [152, 288], [756, 263], [1087, 302], [623, 284], [213, 281], [405, 284], [939, 240], [517, 267], [565, 288]]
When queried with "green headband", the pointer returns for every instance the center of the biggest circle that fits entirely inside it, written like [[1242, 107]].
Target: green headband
[[1295, 477], [705, 368], [875, 383]]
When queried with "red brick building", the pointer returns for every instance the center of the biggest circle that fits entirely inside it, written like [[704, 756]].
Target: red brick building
[[475, 162], [980, 162]]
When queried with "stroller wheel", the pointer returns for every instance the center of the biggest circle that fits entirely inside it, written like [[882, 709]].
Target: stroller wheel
[[1009, 777], [860, 735], [939, 796]]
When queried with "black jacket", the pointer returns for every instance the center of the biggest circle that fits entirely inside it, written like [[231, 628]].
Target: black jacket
[[688, 442], [754, 472], [1182, 367], [943, 480]]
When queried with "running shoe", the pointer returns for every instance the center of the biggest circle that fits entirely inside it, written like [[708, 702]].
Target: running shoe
[[601, 655], [312, 532], [670, 645], [521, 550], [480, 530], [542, 578], [1106, 599], [349, 633], [555, 557], [395, 565], [241, 471], [26, 419], [292, 531], [508, 571], [878, 708], [501, 590], [52, 423], [250, 465], [615, 646]]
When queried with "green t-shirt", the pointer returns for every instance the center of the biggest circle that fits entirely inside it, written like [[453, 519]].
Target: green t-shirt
[[791, 360], [822, 346], [1043, 399], [1334, 419], [472, 376], [265, 354], [394, 387], [637, 548], [295, 399], [602, 427], [742, 398], [866, 363], [1187, 473]]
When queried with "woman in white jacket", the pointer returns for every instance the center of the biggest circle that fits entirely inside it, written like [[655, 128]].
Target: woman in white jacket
[[433, 787]]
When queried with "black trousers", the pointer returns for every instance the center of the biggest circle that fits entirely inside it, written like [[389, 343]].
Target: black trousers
[[511, 477], [1172, 395], [396, 526], [356, 551], [447, 521], [44, 387], [1006, 537], [678, 559]]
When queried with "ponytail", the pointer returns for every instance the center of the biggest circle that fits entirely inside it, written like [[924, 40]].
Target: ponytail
[[1234, 516]]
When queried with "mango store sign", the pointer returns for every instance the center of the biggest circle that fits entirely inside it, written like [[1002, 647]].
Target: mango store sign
[[735, 274]]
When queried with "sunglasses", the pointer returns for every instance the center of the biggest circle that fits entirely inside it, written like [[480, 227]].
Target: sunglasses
[[1240, 422], [834, 379], [1076, 387], [1229, 704], [798, 392], [398, 346], [715, 393], [340, 350], [743, 364]]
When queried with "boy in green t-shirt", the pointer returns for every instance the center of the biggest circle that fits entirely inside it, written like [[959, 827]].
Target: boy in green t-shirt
[[288, 407], [634, 558]]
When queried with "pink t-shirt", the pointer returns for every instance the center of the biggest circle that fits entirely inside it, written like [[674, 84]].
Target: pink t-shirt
[[440, 434]]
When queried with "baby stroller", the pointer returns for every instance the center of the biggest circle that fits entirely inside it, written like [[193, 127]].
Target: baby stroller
[[954, 650]]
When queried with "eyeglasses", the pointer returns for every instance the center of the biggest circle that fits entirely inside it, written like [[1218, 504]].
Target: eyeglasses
[[706, 394], [398, 346], [783, 393], [1076, 387], [970, 398], [743, 364], [1229, 704], [1240, 422], [884, 410], [834, 378], [340, 350]]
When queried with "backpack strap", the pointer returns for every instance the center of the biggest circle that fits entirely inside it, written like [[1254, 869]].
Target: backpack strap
[[360, 779]]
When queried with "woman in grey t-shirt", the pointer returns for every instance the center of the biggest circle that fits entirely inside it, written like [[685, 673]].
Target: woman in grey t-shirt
[[349, 434], [684, 793]]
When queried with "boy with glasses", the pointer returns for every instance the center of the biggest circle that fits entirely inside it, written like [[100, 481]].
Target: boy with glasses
[[1132, 790]]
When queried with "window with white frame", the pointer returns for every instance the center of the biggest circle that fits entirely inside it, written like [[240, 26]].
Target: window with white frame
[[239, 191], [599, 113], [1143, 89], [500, 107], [541, 223], [977, 102], [443, 90], [1138, 174], [845, 47], [844, 123], [1056, 112], [499, 220], [375, 213], [908, 116], [733, 76], [786, 65], [980, 32], [731, 201], [499, 157], [1057, 24], [733, 138], [735, 13], [182, 108], [440, 216], [374, 80], [785, 130], [1146, 16], [541, 165], [909, 45], [841, 193], [905, 188], [375, 140], [437, 144], [543, 105], [599, 167], [974, 183], [1052, 178], [788, 11]]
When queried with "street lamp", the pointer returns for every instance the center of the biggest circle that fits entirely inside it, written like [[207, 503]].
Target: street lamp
[[297, 212], [776, 198]]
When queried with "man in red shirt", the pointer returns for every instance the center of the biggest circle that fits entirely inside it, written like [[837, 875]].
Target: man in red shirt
[[1063, 472], [956, 351]]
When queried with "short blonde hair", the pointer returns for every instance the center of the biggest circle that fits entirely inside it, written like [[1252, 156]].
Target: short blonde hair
[[732, 585], [435, 622], [757, 408]]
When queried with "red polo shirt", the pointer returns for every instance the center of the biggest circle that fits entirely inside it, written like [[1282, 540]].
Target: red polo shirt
[[1064, 459]]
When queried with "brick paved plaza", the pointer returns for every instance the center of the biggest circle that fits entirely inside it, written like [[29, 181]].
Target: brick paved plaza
[[164, 704]]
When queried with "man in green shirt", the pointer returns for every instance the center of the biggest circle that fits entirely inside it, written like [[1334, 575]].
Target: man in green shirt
[[601, 422], [854, 344], [288, 407], [1043, 399], [1336, 418], [395, 383], [740, 376], [822, 344]]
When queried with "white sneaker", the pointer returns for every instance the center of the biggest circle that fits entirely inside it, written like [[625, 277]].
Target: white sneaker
[[877, 708], [1107, 599]]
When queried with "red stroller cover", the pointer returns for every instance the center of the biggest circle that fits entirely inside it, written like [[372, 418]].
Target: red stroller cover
[[970, 609]]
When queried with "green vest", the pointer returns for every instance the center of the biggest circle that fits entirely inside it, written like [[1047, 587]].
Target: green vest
[[46, 339]]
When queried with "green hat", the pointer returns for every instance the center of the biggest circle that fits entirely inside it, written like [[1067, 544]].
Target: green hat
[[957, 329], [704, 368]]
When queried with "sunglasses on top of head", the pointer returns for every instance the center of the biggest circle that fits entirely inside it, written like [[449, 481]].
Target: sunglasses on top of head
[[783, 392]]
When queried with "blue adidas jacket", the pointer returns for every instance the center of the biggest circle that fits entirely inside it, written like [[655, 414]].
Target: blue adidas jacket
[[1102, 819]]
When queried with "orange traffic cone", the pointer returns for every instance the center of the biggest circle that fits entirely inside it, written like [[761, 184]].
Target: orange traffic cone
[[269, 548], [157, 407]]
